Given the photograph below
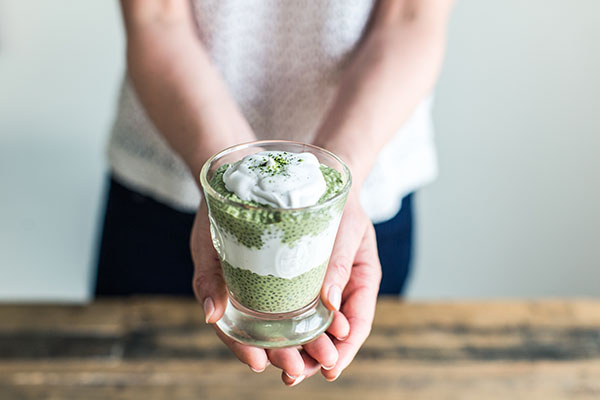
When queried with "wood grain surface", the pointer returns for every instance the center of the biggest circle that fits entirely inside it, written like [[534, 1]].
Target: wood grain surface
[[161, 349]]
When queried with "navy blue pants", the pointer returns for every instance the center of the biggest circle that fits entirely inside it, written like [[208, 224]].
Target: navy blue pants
[[145, 247]]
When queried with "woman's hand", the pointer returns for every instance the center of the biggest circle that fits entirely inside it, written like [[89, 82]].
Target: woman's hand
[[354, 269], [208, 282], [210, 290], [351, 286]]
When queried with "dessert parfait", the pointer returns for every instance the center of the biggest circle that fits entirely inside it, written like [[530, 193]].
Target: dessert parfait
[[274, 210]]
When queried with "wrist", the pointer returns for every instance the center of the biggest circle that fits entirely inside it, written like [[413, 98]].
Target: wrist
[[355, 163], [222, 137]]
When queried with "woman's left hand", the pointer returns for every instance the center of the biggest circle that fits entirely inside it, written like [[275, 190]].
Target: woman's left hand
[[350, 288]]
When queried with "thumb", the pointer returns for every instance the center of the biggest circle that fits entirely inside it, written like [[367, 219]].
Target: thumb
[[208, 283], [350, 234]]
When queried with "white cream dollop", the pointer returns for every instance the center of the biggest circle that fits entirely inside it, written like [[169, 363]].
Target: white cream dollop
[[277, 178]]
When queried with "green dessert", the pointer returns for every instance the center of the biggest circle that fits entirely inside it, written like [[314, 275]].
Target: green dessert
[[271, 294], [274, 259]]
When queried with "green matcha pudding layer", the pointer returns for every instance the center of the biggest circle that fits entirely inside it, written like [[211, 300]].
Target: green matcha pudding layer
[[271, 294]]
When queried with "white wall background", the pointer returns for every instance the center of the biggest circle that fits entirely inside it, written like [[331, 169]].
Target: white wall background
[[514, 213], [60, 63]]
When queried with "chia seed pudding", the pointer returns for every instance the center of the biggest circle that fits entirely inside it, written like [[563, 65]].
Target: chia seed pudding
[[275, 235]]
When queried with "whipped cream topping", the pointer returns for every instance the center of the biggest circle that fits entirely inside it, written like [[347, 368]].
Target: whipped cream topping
[[277, 178]]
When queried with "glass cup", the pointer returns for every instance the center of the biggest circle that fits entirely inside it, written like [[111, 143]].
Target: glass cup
[[273, 259]]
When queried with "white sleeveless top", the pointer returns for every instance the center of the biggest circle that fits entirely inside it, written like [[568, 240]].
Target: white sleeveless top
[[281, 61]]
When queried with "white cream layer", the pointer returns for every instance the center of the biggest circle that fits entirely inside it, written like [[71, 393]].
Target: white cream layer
[[278, 179], [276, 258]]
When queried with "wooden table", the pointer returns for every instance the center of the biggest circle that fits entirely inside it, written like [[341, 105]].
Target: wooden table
[[161, 349]]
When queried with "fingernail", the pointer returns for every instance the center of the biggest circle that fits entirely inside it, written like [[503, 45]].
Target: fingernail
[[291, 377], [328, 368], [209, 308], [298, 380], [335, 297], [341, 339], [334, 378], [258, 371]]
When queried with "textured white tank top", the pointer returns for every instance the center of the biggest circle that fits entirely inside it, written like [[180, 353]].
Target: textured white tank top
[[281, 61]]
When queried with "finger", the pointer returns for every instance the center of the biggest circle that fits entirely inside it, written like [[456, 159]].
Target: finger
[[347, 349], [208, 283], [254, 357], [311, 367], [349, 236], [360, 329], [288, 359], [339, 328], [322, 351], [359, 305]]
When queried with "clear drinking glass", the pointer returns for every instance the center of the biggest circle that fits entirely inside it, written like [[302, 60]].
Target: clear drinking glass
[[273, 259]]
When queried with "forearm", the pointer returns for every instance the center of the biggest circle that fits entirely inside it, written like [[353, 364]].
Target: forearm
[[393, 70], [181, 91]]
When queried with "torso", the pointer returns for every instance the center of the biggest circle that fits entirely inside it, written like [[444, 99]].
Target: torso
[[281, 61]]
